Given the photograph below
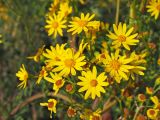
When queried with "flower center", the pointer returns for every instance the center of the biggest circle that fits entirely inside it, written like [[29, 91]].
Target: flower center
[[50, 104], [152, 112], [58, 82], [71, 112], [66, 13], [103, 55], [69, 87], [96, 118], [158, 7], [93, 83], [121, 38], [142, 97], [82, 23], [25, 76], [69, 62], [55, 25], [115, 64], [57, 59]]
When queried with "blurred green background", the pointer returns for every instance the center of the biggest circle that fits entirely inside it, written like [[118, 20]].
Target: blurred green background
[[21, 27]]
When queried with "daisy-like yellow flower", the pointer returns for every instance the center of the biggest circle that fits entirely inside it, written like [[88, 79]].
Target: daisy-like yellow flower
[[152, 113], [92, 83], [101, 57], [138, 58], [137, 62], [154, 8], [81, 24], [122, 37], [38, 55], [70, 63], [86, 114], [91, 115], [53, 8], [55, 24], [65, 9], [141, 97], [54, 54], [57, 81], [42, 74], [96, 115], [149, 90], [117, 66], [51, 105], [23, 77], [156, 102]]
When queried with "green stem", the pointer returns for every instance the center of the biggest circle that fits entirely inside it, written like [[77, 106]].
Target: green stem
[[117, 12], [156, 90]]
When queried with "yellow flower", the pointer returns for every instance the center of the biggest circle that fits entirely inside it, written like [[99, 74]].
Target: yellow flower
[[51, 106], [53, 8], [101, 57], [141, 97], [86, 114], [92, 84], [152, 113], [42, 74], [149, 90], [154, 8], [23, 76], [117, 66], [156, 102], [122, 36], [65, 9], [93, 27], [38, 55], [96, 115], [57, 81], [55, 25], [138, 60], [54, 54], [104, 26], [82, 24], [91, 115], [70, 63], [104, 44]]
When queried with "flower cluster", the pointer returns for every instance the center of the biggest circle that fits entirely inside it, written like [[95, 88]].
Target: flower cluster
[[80, 70]]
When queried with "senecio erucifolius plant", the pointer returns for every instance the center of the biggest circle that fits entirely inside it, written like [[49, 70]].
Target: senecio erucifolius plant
[[95, 70]]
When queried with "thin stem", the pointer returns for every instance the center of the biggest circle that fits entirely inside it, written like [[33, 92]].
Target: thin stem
[[117, 12], [72, 42], [95, 103], [109, 106], [137, 111]]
